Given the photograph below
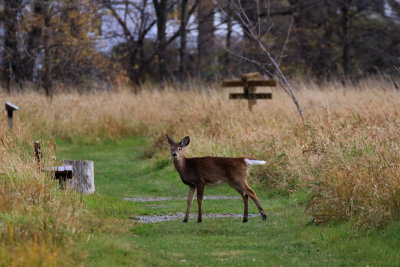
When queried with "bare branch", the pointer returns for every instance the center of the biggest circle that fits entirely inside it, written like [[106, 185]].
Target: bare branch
[[121, 22], [286, 41], [261, 65], [256, 37]]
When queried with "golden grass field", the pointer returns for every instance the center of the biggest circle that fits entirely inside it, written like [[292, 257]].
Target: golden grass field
[[346, 152]]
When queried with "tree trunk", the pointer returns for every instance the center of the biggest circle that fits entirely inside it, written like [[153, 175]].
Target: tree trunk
[[82, 177], [11, 55], [345, 8], [205, 43], [33, 42], [47, 77], [228, 37], [161, 13], [182, 47]]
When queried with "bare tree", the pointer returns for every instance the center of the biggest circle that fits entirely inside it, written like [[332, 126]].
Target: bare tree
[[182, 46], [187, 9], [11, 56], [254, 32], [345, 22], [47, 43], [136, 19], [160, 7], [205, 44]]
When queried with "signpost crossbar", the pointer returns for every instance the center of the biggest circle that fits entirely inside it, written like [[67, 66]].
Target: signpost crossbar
[[251, 96], [240, 83]]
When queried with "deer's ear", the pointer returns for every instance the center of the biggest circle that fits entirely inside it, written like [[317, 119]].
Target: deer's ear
[[185, 141], [170, 141]]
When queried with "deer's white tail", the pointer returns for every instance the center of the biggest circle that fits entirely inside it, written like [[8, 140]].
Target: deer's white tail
[[255, 162]]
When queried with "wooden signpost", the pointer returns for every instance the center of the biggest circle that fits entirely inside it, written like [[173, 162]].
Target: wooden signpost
[[249, 82]]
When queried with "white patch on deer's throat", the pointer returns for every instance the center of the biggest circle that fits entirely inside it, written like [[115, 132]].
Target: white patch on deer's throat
[[255, 162]]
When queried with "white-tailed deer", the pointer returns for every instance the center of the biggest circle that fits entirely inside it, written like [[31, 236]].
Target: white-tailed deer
[[199, 172]]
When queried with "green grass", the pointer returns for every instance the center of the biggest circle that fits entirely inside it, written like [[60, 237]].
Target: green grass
[[287, 238]]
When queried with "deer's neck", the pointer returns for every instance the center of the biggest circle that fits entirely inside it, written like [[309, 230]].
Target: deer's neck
[[180, 164]]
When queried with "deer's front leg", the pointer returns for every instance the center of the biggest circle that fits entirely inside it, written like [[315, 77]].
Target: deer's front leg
[[192, 189], [200, 192]]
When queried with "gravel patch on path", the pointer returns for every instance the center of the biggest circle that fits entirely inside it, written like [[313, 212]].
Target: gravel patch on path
[[180, 215], [151, 199]]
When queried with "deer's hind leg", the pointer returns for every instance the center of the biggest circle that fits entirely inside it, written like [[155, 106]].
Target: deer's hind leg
[[253, 196], [246, 207], [242, 190]]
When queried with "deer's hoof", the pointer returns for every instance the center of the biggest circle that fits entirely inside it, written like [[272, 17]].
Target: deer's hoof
[[199, 221], [185, 220], [264, 217], [244, 220]]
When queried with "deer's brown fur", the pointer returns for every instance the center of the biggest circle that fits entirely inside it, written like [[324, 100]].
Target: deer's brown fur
[[200, 172]]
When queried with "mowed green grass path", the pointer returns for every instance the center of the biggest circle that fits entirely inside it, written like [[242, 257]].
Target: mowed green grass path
[[287, 238]]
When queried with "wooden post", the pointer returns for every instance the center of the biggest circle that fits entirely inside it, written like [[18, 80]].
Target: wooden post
[[249, 89], [38, 155], [83, 175], [61, 173]]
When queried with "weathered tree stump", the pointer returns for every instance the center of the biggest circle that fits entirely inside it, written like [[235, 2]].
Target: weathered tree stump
[[83, 175]]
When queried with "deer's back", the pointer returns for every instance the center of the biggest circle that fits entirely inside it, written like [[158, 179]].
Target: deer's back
[[214, 170]]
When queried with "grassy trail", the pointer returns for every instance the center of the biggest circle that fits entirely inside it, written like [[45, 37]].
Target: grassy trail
[[286, 238]]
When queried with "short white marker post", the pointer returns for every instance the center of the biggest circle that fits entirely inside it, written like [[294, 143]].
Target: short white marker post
[[10, 109], [83, 175]]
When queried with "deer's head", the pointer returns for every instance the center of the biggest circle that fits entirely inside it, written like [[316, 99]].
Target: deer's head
[[176, 148]]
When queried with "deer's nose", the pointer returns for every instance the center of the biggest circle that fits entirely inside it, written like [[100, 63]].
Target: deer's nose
[[174, 154]]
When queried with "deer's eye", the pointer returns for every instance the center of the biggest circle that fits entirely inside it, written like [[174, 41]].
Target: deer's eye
[[179, 149]]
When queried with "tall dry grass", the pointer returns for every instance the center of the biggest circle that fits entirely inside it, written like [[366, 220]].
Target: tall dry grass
[[346, 151], [38, 222]]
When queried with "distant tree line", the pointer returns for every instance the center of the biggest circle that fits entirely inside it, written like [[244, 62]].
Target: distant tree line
[[48, 42]]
